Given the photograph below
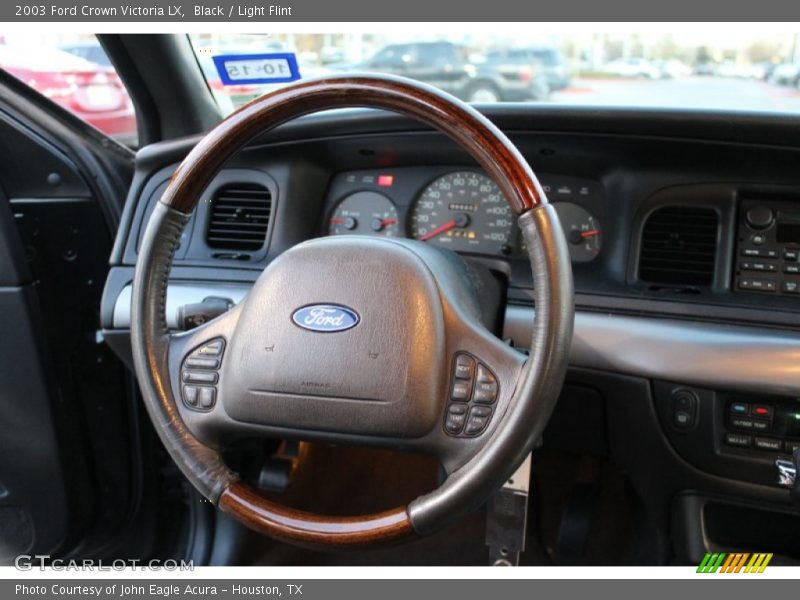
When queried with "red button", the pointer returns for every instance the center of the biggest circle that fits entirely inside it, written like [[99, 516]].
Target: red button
[[762, 411]]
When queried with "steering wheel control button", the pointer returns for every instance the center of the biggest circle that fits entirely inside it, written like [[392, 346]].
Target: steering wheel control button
[[485, 386], [201, 367], [211, 349], [456, 417], [200, 362], [465, 366], [207, 397], [478, 420], [461, 390], [190, 395], [472, 388], [200, 377]]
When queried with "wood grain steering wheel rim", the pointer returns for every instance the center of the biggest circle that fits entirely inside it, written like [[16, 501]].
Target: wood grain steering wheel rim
[[543, 373]]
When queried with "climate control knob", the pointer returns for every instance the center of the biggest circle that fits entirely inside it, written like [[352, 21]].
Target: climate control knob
[[759, 217]]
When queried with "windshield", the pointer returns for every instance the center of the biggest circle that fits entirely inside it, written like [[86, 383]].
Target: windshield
[[727, 66]]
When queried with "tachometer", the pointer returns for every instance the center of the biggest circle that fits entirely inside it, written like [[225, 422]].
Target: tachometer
[[464, 211], [365, 213]]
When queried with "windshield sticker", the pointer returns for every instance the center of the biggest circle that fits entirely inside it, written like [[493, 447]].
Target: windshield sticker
[[236, 69]]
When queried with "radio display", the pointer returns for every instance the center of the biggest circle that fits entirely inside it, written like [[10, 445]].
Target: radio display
[[788, 232]]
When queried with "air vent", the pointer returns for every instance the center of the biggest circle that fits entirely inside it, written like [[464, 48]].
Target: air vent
[[239, 217], [679, 246]]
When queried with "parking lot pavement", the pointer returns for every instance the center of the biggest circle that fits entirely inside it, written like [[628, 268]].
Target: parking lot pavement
[[691, 92]]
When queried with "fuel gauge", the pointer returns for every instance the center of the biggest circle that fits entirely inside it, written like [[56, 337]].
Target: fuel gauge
[[581, 230], [365, 213]]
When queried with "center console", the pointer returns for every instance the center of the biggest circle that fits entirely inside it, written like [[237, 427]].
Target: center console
[[768, 240]]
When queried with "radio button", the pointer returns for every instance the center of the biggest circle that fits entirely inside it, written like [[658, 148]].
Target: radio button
[[759, 217], [790, 255], [792, 268], [790, 287]]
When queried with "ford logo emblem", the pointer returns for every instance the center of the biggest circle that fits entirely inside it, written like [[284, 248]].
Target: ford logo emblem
[[326, 318]]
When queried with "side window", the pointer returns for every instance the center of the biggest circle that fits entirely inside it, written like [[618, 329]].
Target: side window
[[77, 75]]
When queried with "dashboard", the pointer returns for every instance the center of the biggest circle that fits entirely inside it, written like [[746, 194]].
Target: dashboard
[[460, 209], [684, 235]]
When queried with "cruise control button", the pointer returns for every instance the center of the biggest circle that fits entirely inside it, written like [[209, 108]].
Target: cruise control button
[[738, 440], [200, 362], [190, 395], [200, 377], [211, 349], [207, 397], [465, 366], [768, 444]]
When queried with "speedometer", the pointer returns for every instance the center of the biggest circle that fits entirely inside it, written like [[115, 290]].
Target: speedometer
[[463, 211]]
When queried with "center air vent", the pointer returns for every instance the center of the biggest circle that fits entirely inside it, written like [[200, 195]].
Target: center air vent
[[239, 217], [679, 246]]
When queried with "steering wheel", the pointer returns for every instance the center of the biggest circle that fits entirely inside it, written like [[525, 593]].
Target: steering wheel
[[354, 340]]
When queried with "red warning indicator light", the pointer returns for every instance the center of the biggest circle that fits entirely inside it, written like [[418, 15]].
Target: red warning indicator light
[[385, 180]]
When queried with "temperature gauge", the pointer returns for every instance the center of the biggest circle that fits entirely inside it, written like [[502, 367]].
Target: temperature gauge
[[365, 213]]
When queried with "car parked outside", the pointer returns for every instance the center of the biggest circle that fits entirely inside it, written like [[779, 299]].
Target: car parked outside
[[92, 92], [450, 67], [552, 63], [633, 67]]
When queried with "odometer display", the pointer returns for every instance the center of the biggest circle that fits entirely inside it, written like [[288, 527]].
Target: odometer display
[[463, 211]]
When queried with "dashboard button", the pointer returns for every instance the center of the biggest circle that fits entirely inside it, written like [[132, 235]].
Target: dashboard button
[[790, 255], [792, 268], [768, 444], [758, 265], [761, 410], [739, 408], [790, 287], [738, 440], [759, 217]]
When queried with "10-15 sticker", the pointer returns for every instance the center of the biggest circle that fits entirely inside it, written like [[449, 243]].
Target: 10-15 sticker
[[236, 69]]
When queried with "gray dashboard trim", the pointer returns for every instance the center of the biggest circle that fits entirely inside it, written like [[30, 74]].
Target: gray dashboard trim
[[705, 354], [702, 354]]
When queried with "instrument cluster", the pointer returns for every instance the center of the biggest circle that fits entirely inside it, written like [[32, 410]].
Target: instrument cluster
[[458, 208]]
